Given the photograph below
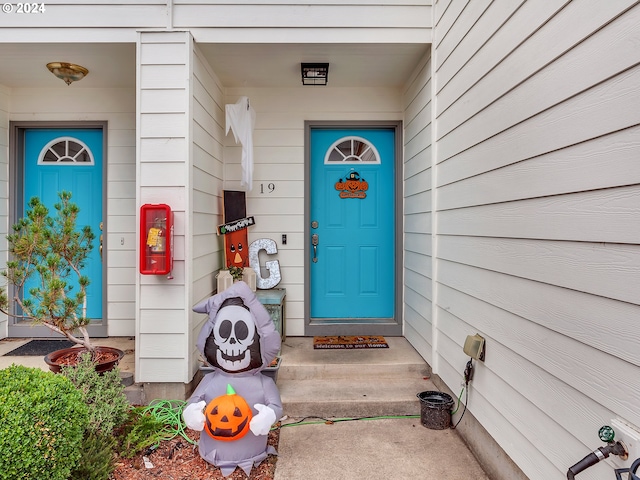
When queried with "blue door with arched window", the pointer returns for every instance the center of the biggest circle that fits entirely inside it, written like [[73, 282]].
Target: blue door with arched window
[[352, 231], [71, 159]]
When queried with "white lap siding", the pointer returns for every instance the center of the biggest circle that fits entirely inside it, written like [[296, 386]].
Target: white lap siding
[[207, 171], [418, 208], [537, 221]]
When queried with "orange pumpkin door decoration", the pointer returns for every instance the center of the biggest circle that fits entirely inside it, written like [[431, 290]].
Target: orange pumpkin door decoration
[[353, 186], [227, 417]]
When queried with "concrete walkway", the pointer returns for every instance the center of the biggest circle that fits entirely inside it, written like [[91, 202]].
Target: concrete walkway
[[374, 449], [368, 382]]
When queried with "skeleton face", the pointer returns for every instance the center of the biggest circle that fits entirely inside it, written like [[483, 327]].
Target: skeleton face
[[234, 334]]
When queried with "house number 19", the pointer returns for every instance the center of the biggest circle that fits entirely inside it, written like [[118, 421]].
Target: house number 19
[[269, 188]]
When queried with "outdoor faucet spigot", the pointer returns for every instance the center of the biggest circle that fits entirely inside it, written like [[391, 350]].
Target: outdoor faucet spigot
[[606, 434]]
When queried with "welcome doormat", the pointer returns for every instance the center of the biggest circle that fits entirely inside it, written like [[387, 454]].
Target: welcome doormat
[[38, 348], [349, 342]]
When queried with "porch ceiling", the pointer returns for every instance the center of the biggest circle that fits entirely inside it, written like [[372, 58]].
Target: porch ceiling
[[278, 65], [110, 65], [237, 65]]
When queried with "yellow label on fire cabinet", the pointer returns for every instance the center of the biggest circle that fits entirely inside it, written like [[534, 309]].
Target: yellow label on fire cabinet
[[152, 236]]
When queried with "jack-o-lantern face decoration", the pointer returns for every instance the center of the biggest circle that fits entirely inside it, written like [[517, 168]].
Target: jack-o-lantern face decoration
[[352, 187], [227, 417], [236, 246]]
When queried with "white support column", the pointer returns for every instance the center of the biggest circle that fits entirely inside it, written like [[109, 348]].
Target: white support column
[[163, 166], [4, 183]]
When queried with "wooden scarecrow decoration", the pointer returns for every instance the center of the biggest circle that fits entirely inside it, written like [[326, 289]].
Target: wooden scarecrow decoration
[[236, 241], [235, 405]]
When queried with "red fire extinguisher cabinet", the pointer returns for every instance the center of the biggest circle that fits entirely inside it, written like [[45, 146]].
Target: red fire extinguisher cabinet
[[156, 239]]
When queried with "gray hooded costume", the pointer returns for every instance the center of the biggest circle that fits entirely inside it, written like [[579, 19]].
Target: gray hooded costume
[[245, 378]]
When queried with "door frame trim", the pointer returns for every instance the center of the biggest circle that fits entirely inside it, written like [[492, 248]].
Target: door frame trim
[[16, 207], [392, 326]]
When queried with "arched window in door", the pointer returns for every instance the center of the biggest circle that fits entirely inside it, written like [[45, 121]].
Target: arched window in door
[[66, 150], [350, 150]]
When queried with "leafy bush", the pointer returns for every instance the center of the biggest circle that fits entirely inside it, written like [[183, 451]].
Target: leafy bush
[[96, 461], [42, 422], [103, 393]]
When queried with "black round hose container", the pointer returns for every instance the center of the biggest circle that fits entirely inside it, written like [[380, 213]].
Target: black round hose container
[[633, 471], [435, 410]]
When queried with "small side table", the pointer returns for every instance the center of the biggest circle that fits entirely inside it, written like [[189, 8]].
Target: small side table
[[274, 302]]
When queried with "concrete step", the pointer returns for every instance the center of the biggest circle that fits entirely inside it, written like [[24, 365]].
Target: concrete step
[[352, 398], [345, 371], [300, 360], [350, 383], [126, 378], [135, 394]]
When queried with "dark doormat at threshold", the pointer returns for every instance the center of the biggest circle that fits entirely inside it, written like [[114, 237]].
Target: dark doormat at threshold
[[349, 342], [38, 348]]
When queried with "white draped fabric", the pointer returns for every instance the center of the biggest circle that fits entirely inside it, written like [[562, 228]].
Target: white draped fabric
[[241, 119]]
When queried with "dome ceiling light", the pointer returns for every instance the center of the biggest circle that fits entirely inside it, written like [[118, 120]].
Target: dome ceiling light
[[69, 72]]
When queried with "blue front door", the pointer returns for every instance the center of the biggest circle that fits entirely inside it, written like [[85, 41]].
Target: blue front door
[[352, 216], [70, 159]]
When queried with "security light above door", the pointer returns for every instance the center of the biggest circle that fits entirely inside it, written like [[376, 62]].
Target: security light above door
[[314, 73]]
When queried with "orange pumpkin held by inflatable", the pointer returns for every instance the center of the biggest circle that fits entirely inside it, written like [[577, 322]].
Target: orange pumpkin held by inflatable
[[227, 416]]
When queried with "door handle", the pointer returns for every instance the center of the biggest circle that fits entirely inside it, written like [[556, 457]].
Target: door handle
[[314, 242]]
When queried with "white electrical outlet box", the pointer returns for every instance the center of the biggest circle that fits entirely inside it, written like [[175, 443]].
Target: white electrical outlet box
[[474, 346], [628, 435]]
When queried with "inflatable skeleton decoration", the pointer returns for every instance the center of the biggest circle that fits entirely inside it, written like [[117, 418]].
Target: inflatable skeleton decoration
[[235, 406]]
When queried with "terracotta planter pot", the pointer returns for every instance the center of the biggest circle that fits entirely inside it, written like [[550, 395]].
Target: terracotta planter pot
[[107, 358]]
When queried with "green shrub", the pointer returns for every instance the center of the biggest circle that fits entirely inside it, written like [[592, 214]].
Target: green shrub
[[141, 431], [103, 394], [146, 427], [97, 459], [42, 422]]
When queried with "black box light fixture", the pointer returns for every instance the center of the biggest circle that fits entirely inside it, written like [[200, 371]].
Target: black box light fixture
[[314, 73]]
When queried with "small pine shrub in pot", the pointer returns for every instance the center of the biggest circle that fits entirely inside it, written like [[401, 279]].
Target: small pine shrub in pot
[[47, 286], [44, 419]]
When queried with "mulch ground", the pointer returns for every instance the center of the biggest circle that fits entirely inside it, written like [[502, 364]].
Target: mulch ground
[[177, 459]]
